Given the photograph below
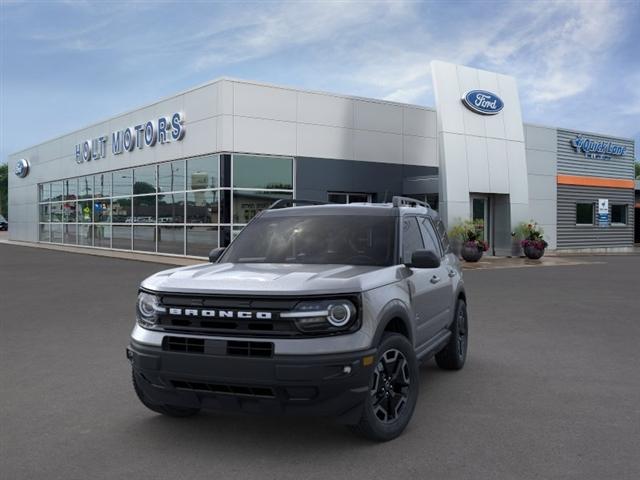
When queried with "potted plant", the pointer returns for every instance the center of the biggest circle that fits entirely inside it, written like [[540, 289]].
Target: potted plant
[[533, 242], [469, 234]]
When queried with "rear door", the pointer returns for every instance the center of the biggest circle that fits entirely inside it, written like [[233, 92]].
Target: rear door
[[427, 286], [445, 283]]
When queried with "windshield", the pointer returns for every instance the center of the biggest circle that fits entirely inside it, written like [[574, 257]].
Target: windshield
[[318, 239]]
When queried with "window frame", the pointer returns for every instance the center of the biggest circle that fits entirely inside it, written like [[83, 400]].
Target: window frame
[[425, 219], [593, 214], [401, 219], [625, 215]]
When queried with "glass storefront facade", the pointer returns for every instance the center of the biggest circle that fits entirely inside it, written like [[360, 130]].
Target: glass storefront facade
[[182, 207]]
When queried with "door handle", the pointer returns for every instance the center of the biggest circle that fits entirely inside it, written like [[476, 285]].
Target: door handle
[[435, 279], [452, 273]]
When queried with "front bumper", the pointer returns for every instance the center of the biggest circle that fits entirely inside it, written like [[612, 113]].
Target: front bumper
[[319, 385]]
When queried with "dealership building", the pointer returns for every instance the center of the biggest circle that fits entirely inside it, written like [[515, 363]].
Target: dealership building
[[185, 174]]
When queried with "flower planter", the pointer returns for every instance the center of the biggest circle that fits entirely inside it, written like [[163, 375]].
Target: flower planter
[[471, 253], [533, 253]]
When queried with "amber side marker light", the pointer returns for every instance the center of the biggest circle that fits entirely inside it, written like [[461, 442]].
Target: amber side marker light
[[368, 360]]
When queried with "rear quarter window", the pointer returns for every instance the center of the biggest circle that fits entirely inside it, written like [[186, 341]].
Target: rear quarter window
[[442, 233]]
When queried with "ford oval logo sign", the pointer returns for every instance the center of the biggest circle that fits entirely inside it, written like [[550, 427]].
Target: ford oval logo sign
[[483, 102], [22, 168]]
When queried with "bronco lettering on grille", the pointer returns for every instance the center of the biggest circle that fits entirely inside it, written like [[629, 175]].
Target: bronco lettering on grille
[[243, 315]]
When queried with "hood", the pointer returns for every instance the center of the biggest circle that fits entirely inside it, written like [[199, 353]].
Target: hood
[[268, 278]]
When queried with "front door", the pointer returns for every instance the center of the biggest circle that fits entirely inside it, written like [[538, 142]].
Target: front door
[[480, 212]]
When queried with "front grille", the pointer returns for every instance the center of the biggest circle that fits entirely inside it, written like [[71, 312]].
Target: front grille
[[250, 349], [242, 390], [182, 344], [218, 347], [275, 326]]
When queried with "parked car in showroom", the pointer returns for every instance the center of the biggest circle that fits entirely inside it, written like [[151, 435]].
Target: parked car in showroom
[[4, 224], [315, 309]]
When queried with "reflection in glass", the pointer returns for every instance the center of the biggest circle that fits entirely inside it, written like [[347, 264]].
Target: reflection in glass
[[85, 187], [56, 212], [102, 210], [144, 209], [121, 237], [171, 208], [45, 212], [69, 211], [102, 184], [171, 240], [71, 189], [44, 192], [84, 212], [247, 204], [56, 191], [45, 232], [171, 176], [201, 240], [144, 239], [202, 172], [144, 180], [202, 207], [121, 210], [122, 183], [70, 233], [56, 232], [102, 236], [252, 171], [85, 234]]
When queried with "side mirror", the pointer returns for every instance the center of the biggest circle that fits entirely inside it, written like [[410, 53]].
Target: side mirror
[[424, 259], [215, 254]]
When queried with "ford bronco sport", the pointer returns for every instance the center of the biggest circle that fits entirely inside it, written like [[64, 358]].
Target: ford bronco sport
[[316, 309]]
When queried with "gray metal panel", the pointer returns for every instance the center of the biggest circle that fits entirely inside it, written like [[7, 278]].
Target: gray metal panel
[[317, 176], [575, 163], [572, 236]]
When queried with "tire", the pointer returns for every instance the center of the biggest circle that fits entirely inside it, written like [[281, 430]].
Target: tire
[[168, 410], [390, 404], [454, 354]]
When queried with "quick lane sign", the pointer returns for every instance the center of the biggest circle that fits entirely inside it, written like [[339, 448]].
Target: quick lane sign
[[598, 149], [161, 131]]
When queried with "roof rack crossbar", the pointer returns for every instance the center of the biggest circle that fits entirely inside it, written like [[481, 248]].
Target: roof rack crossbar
[[290, 202], [399, 201]]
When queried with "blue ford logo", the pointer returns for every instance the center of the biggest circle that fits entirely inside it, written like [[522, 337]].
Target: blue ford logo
[[22, 168], [483, 102]]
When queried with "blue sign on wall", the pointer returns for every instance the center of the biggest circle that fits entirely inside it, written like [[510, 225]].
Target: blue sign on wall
[[483, 102], [600, 149]]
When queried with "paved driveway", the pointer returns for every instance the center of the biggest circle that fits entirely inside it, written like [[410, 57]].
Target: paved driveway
[[551, 389]]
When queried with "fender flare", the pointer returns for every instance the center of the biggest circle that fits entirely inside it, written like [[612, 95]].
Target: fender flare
[[392, 310]]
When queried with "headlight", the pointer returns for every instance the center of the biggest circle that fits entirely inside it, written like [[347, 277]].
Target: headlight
[[147, 309], [323, 316]]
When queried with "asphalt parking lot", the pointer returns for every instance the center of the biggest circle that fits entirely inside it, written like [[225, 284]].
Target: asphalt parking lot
[[551, 388]]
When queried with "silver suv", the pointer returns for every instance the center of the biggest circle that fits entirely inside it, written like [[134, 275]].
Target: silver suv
[[314, 309]]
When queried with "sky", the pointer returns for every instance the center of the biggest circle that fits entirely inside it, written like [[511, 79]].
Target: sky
[[67, 64]]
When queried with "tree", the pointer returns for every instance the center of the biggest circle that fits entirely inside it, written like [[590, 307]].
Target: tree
[[4, 189], [638, 170]]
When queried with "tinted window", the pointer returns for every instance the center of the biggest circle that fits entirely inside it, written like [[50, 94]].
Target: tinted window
[[318, 239], [442, 233], [584, 214], [250, 171], [619, 214], [202, 172], [430, 237], [171, 176], [411, 238]]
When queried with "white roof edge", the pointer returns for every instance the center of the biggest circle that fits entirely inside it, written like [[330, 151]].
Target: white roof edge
[[530, 124], [217, 80]]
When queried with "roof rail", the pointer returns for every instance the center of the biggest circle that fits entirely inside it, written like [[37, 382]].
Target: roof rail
[[398, 201], [290, 202]]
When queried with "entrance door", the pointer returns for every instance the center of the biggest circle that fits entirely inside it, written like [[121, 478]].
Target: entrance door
[[480, 211]]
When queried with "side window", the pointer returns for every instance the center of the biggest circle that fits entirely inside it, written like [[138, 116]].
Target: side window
[[444, 238], [430, 237], [411, 238]]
